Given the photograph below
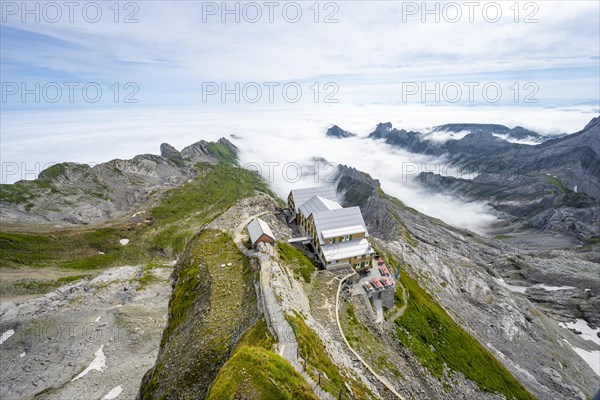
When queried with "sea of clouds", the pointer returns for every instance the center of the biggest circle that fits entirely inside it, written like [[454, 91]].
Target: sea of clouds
[[281, 142]]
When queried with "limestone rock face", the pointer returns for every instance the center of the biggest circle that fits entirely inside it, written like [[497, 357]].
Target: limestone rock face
[[529, 179], [75, 194], [509, 296], [168, 151], [337, 132]]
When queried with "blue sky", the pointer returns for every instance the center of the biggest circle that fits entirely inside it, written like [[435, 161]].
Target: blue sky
[[371, 51]]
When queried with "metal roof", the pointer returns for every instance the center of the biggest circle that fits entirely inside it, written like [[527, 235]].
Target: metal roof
[[351, 248], [257, 228], [337, 219], [318, 203], [301, 196], [349, 230]]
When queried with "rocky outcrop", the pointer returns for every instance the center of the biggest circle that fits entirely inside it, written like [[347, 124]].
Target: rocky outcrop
[[337, 132], [198, 152], [170, 152], [79, 194], [59, 334], [463, 272], [551, 186]]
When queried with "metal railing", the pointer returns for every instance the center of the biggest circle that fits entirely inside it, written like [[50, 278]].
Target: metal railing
[[338, 392]]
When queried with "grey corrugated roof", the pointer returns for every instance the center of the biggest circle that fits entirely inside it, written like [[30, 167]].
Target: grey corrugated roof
[[340, 218], [257, 228], [301, 196], [351, 248], [318, 203]]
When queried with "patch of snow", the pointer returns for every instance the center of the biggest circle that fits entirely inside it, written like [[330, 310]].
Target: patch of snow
[[124, 242], [99, 364], [522, 289], [592, 358], [23, 354], [229, 264], [512, 288], [97, 319], [587, 333], [113, 394], [101, 253], [222, 265], [517, 367], [554, 288], [6, 335]]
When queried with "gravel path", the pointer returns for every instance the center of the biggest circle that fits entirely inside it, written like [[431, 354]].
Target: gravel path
[[389, 323], [286, 338], [381, 379]]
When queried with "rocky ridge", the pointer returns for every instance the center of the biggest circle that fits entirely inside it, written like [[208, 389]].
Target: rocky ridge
[[552, 186], [467, 274], [79, 194]]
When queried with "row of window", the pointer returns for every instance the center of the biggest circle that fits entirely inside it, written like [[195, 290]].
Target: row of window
[[361, 264], [342, 239]]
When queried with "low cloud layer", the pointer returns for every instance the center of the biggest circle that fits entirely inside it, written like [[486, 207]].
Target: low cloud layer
[[280, 142]]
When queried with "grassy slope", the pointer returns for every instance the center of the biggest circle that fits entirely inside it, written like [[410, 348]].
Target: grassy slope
[[182, 211], [301, 265], [255, 372], [209, 309], [187, 208], [425, 326], [311, 347], [369, 346], [559, 185]]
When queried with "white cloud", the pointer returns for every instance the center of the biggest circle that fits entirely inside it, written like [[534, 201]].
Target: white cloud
[[268, 134], [172, 49]]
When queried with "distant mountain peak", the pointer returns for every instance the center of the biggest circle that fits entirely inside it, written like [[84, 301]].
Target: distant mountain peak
[[384, 125], [337, 132]]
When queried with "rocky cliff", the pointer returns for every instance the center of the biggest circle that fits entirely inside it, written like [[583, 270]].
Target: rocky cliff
[[469, 276], [551, 186], [79, 194]]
